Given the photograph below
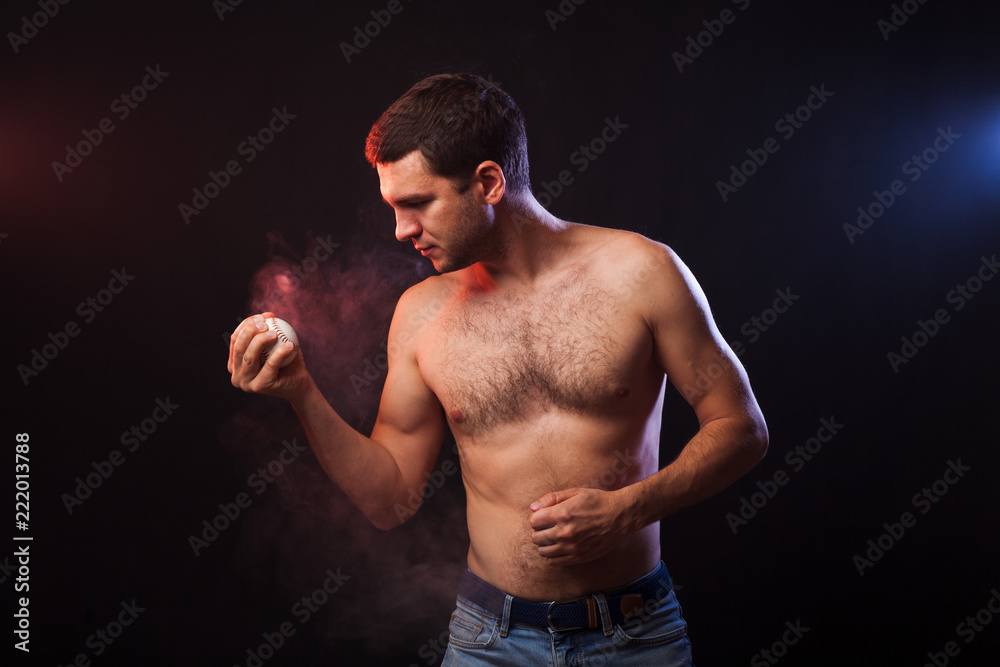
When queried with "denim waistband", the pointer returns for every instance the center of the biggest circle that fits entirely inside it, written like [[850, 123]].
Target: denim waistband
[[581, 613]]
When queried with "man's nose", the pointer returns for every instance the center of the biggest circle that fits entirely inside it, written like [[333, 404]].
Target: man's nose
[[406, 228]]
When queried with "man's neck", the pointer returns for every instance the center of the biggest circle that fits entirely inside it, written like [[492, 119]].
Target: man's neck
[[531, 239]]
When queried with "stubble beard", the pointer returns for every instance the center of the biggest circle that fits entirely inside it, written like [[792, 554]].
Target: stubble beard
[[479, 240]]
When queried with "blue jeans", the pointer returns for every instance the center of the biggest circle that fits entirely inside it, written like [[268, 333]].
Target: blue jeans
[[655, 635]]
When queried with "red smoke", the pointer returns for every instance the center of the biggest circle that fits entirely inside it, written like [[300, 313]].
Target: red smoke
[[339, 296]]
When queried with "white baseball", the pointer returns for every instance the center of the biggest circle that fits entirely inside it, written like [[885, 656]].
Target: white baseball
[[284, 332]]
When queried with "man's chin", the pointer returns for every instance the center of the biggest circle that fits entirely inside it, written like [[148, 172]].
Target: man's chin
[[440, 264], [445, 267], [448, 264]]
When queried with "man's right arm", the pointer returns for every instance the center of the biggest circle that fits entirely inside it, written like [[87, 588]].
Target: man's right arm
[[376, 473]]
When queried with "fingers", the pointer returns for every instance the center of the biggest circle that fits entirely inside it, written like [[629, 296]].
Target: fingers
[[546, 538], [549, 528], [556, 552], [564, 550], [554, 498], [236, 349], [555, 541], [540, 518], [253, 318], [278, 355], [570, 526], [251, 367], [240, 356], [246, 344], [548, 500]]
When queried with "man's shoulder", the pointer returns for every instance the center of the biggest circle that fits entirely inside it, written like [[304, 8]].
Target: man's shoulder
[[624, 254], [420, 301]]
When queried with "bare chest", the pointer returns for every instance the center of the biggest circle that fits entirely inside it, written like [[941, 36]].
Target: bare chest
[[499, 360]]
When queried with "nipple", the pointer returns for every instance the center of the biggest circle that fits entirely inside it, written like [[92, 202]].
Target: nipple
[[457, 416], [622, 392]]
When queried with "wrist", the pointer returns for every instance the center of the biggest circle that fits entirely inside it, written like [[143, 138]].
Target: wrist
[[305, 400], [632, 514]]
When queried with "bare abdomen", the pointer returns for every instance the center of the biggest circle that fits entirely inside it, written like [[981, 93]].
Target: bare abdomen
[[504, 475], [503, 554]]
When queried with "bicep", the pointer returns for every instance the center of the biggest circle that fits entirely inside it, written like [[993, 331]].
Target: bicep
[[690, 348], [410, 423]]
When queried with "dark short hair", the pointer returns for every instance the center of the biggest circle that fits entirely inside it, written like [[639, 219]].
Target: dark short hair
[[456, 121]]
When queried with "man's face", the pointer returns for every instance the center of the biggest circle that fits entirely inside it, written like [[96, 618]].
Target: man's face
[[449, 227]]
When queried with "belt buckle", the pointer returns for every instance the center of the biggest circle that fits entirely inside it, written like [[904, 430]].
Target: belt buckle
[[591, 611]]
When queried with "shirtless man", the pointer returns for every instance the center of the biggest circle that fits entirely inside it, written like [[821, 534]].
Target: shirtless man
[[544, 345]]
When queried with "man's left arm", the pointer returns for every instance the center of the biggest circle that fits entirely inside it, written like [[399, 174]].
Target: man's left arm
[[580, 525]]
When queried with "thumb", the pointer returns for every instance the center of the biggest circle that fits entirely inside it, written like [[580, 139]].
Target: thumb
[[553, 498]]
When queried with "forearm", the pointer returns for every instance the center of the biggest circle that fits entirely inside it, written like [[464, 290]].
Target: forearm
[[721, 452], [364, 470]]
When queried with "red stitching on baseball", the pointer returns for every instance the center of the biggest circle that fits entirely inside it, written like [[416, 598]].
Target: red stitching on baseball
[[277, 330]]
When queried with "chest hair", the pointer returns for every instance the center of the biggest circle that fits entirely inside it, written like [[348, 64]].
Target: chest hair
[[508, 357]]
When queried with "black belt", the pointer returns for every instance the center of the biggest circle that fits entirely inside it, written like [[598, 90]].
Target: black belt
[[569, 614]]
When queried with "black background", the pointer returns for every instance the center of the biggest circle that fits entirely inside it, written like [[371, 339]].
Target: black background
[[163, 335]]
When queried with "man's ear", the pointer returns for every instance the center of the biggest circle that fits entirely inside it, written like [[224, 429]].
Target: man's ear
[[490, 181]]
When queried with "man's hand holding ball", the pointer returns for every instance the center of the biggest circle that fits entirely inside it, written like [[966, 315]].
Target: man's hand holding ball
[[260, 350], [284, 335]]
